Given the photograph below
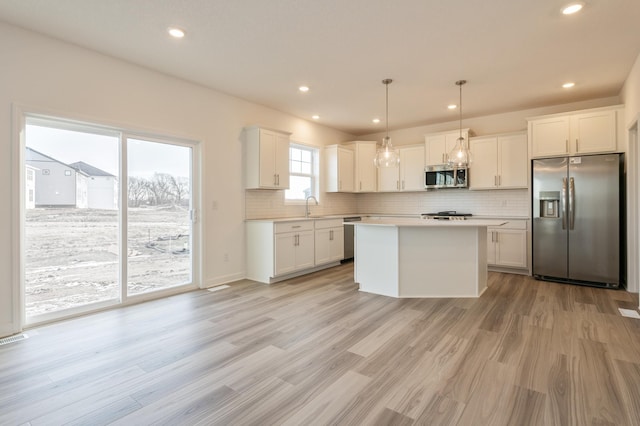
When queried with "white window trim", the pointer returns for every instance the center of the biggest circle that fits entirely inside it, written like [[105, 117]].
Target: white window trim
[[315, 172]]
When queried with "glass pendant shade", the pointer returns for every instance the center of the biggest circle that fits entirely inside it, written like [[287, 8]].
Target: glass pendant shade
[[459, 155], [386, 156]]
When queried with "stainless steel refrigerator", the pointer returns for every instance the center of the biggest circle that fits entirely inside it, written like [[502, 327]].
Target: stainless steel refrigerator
[[578, 220]]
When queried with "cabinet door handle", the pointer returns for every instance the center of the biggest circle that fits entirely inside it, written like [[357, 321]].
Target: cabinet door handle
[[402, 184], [331, 235], [339, 184], [296, 226], [499, 180], [398, 185], [360, 186], [577, 149], [495, 180], [566, 145], [275, 182]]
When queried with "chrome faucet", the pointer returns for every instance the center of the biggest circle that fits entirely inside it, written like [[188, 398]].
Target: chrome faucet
[[306, 210]]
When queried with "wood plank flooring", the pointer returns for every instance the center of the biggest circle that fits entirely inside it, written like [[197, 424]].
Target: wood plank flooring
[[315, 350]]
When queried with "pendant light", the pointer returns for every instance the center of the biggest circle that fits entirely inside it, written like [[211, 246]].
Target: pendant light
[[386, 156], [459, 155]]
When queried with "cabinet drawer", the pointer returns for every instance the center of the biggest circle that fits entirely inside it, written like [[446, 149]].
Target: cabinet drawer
[[512, 224], [302, 225], [328, 223]]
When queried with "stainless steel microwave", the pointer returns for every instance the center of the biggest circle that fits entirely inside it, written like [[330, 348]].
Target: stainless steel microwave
[[445, 176]]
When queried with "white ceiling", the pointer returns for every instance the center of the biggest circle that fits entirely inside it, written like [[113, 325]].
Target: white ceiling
[[514, 54]]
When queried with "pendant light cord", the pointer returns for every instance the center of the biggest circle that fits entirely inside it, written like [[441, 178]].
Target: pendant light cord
[[386, 120], [460, 110], [387, 82]]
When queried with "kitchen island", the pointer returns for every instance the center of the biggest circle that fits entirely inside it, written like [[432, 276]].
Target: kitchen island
[[421, 257]]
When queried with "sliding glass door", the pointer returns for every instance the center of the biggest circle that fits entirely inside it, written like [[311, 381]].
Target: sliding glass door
[[159, 215], [106, 217], [70, 218]]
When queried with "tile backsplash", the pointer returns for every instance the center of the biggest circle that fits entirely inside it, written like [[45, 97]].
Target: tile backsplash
[[502, 202], [268, 204]]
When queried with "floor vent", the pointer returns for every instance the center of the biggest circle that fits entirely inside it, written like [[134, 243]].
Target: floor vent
[[14, 338], [219, 287], [630, 313]]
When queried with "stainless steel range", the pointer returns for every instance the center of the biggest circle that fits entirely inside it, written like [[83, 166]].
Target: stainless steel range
[[446, 215]]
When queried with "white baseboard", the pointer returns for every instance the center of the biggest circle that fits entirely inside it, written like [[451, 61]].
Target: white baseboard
[[225, 279], [7, 330]]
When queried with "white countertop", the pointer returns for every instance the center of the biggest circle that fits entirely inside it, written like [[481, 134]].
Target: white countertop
[[370, 217], [429, 222]]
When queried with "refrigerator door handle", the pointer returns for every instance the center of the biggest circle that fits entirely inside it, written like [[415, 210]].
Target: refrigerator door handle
[[572, 203], [564, 203]]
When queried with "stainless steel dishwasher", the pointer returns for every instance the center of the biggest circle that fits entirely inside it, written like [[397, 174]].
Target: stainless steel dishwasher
[[348, 236]]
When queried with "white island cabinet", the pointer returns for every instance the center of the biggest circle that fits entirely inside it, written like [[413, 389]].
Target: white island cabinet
[[422, 258]]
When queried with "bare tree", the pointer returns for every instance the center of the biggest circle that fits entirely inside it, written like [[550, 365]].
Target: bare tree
[[160, 189], [180, 189], [137, 191]]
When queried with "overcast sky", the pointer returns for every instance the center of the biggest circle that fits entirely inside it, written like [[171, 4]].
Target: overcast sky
[[145, 158]]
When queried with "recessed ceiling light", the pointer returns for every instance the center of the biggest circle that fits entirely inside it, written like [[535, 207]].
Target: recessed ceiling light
[[568, 85], [176, 32], [376, 120], [303, 89], [315, 117], [452, 106], [572, 8]]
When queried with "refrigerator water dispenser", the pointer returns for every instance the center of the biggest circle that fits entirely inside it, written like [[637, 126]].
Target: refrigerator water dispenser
[[549, 204]]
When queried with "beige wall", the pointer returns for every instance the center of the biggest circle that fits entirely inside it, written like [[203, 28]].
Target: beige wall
[[630, 95], [490, 124], [44, 74]]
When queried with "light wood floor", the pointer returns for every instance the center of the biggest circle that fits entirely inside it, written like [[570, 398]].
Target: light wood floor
[[314, 350]]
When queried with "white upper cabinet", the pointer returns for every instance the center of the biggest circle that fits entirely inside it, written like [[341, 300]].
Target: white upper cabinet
[[438, 145], [594, 132], [549, 136], [364, 169], [581, 132], [408, 176], [499, 162], [266, 158], [389, 179], [339, 169], [412, 168]]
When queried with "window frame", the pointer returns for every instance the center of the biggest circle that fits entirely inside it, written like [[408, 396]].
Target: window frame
[[314, 175]]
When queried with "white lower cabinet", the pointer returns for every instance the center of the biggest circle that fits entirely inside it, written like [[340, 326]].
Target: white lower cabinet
[[293, 251], [507, 245], [329, 241], [277, 250]]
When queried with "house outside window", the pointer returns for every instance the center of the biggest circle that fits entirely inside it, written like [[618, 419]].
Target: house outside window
[[303, 172]]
